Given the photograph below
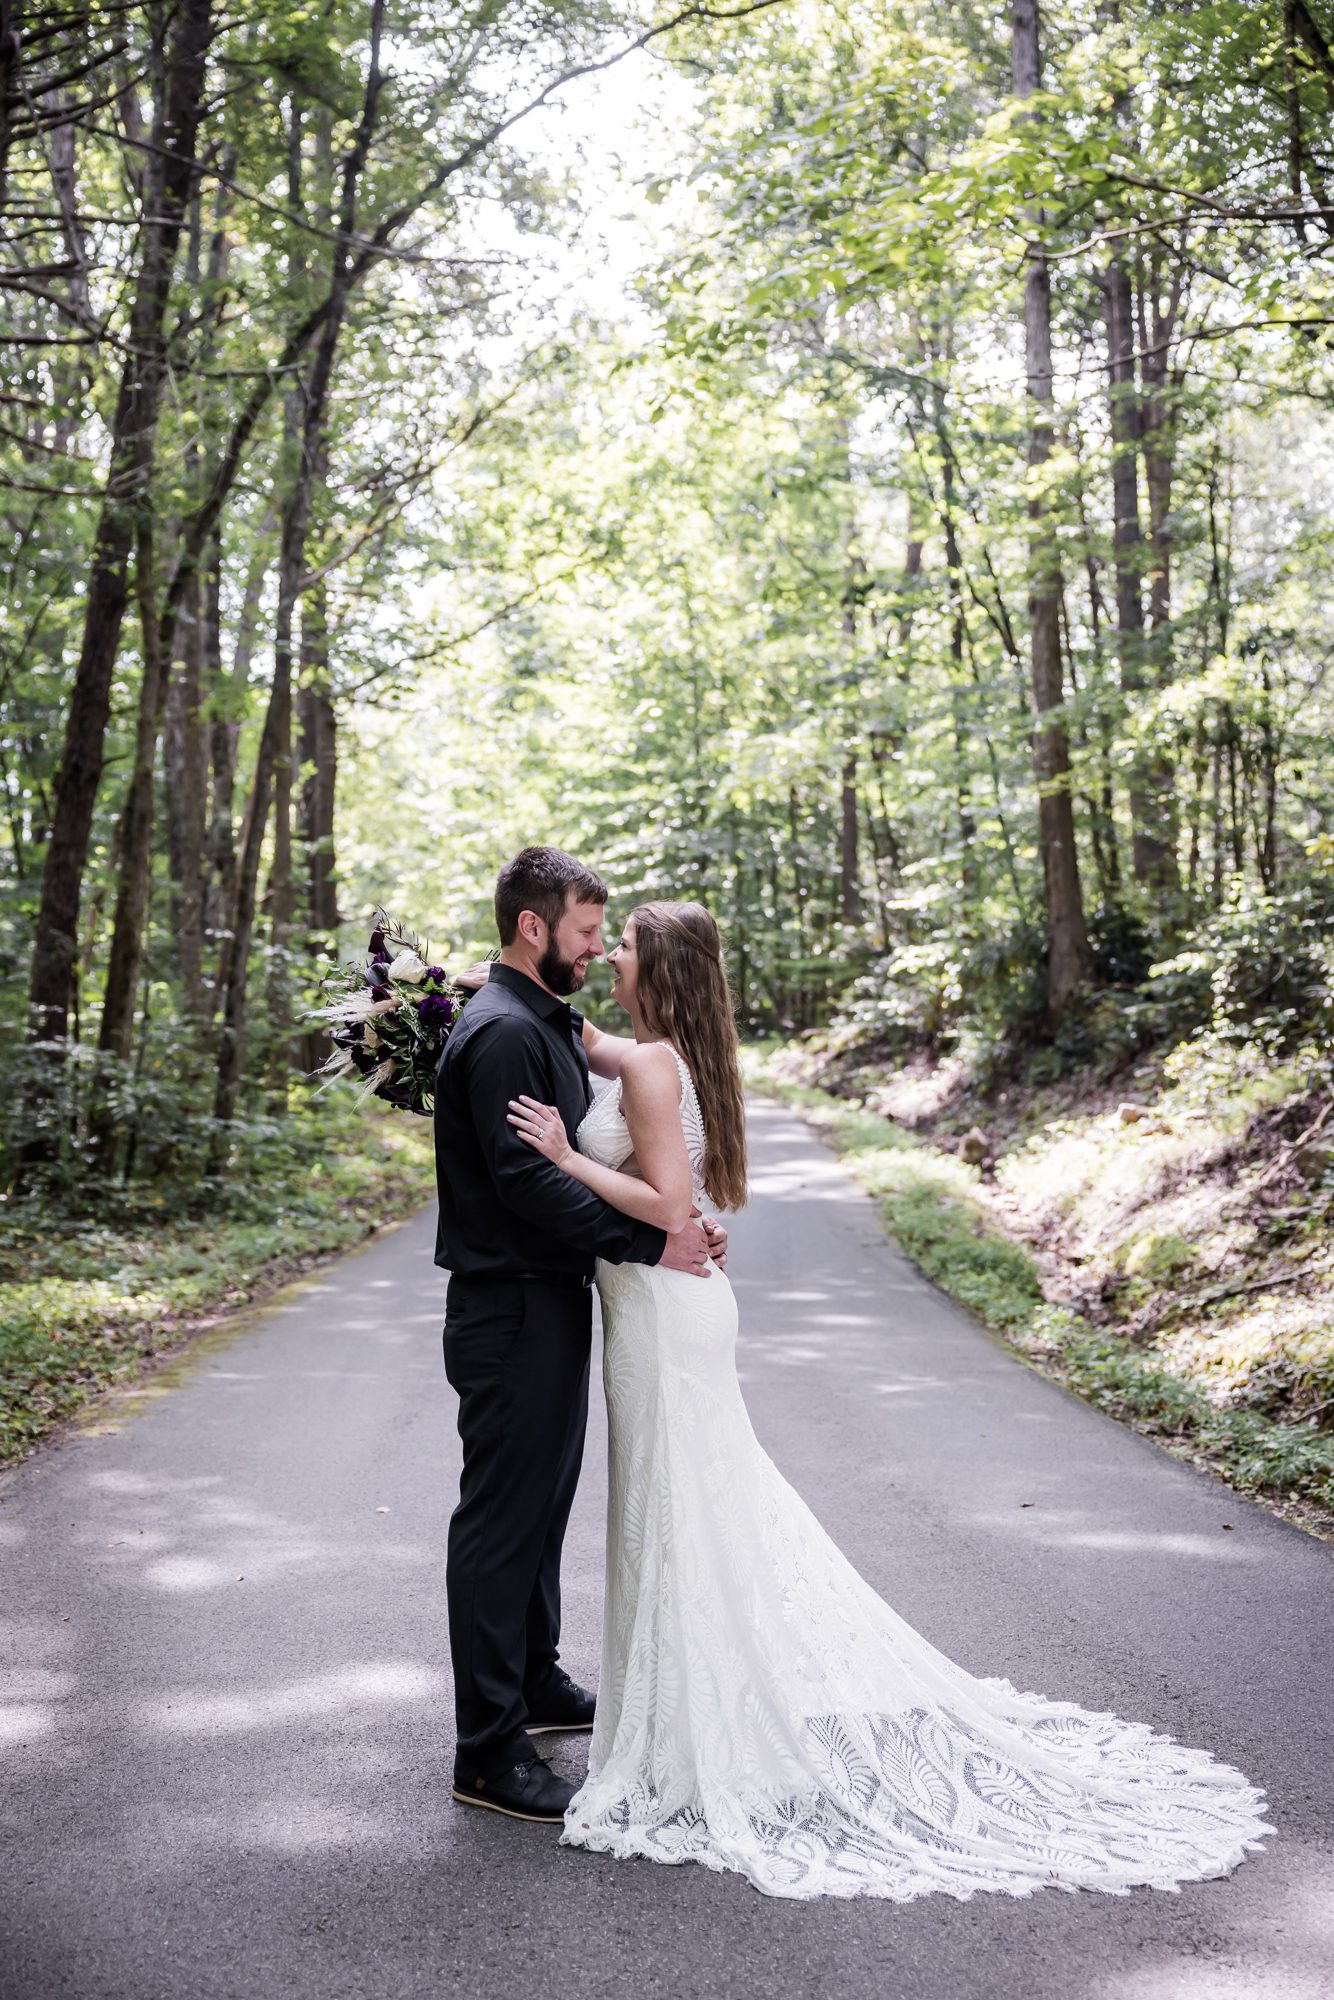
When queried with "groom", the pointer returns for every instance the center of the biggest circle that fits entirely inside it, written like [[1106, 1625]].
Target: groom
[[519, 1239]]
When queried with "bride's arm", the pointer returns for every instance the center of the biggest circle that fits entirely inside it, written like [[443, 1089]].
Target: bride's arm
[[650, 1099], [606, 1053]]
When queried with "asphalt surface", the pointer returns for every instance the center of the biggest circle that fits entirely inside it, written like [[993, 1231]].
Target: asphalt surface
[[226, 1728]]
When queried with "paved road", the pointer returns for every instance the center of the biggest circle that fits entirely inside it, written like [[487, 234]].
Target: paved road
[[227, 1731]]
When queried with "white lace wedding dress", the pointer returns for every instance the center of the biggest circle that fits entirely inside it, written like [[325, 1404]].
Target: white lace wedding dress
[[761, 1709]]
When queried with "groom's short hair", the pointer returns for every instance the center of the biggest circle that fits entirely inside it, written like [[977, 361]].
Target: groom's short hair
[[540, 879]]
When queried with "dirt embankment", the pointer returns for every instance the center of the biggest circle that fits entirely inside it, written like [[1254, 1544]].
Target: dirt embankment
[[1177, 1224]]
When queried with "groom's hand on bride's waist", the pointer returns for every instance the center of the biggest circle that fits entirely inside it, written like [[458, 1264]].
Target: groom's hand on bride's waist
[[717, 1236], [702, 1242], [687, 1250]]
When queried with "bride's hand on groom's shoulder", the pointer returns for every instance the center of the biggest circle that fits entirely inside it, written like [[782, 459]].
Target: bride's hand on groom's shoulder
[[541, 1127], [474, 977]]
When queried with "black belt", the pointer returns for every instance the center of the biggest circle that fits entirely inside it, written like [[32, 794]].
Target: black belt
[[570, 1279]]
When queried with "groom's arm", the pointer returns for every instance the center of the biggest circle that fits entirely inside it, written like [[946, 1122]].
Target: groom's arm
[[505, 1059], [605, 1052]]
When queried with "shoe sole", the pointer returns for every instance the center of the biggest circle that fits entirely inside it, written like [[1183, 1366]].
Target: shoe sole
[[557, 1728], [491, 1805]]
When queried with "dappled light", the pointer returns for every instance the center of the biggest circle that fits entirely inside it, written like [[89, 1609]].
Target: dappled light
[[1280, 1951], [20, 1722], [246, 1652], [342, 1694], [1146, 1542]]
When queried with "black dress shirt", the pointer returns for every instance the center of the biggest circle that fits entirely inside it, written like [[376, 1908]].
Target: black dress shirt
[[504, 1209]]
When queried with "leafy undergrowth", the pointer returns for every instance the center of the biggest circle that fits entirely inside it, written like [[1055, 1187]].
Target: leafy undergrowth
[[1165, 1251], [85, 1301]]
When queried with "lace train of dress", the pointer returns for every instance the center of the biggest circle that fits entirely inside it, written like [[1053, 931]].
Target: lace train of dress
[[761, 1709]]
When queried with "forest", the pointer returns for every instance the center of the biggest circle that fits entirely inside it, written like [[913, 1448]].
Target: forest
[[868, 468]]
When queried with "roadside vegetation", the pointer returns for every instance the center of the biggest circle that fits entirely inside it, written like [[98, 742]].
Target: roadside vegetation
[[89, 1297], [1158, 1238]]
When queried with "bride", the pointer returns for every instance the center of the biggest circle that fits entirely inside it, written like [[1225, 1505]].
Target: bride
[[760, 1708]]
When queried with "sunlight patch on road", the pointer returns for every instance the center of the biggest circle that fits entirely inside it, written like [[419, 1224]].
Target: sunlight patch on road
[[1213, 1981], [912, 1386], [21, 1721], [192, 1712], [1138, 1541], [138, 1482], [816, 1178], [190, 1573], [286, 1827]]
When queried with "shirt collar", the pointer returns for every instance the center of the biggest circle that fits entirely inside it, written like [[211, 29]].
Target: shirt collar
[[535, 996]]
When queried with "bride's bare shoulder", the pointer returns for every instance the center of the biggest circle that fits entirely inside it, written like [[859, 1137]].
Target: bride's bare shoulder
[[648, 1057], [649, 1066]]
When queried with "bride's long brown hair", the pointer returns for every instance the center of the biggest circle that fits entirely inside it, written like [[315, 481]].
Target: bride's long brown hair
[[684, 996]]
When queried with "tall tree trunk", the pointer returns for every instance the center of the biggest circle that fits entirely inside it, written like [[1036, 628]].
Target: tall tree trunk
[[68, 364], [848, 906], [276, 737], [1220, 591], [1156, 861], [11, 56], [282, 902], [307, 455], [185, 754], [849, 858], [116, 1034], [226, 701], [173, 643], [1128, 555], [274, 743], [319, 763], [318, 756], [849, 866], [168, 177], [1266, 821], [1102, 818], [1069, 963], [949, 521]]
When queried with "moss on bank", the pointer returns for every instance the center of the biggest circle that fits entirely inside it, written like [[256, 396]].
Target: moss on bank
[[1168, 1378], [85, 1301]]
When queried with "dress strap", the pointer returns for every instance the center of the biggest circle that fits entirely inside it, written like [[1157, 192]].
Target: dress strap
[[687, 1080]]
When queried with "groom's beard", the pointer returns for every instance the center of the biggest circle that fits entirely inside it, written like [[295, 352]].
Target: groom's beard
[[558, 974]]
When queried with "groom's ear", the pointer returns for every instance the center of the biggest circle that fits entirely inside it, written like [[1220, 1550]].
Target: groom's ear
[[530, 928]]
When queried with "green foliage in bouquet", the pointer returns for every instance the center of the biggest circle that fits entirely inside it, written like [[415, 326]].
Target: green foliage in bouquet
[[389, 1016]]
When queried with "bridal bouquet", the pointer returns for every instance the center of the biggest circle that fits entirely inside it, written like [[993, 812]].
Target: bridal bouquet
[[389, 1016]]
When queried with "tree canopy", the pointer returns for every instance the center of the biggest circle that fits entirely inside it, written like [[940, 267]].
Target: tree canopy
[[924, 562]]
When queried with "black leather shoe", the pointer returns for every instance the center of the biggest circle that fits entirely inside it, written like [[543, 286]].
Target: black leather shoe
[[562, 1706], [526, 1791]]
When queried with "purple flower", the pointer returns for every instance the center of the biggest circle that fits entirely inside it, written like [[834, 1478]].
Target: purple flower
[[377, 949], [437, 972], [435, 1011]]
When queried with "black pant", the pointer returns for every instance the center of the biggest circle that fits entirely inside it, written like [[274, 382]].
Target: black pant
[[517, 1354]]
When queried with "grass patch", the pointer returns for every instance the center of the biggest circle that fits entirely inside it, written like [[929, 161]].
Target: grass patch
[[935, 1209], [86, 1300]]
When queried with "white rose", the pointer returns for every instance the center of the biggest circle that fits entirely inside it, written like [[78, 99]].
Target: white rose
[[408, 967]]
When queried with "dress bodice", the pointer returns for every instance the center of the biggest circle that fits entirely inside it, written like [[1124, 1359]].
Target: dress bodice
[[604, 1135]]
